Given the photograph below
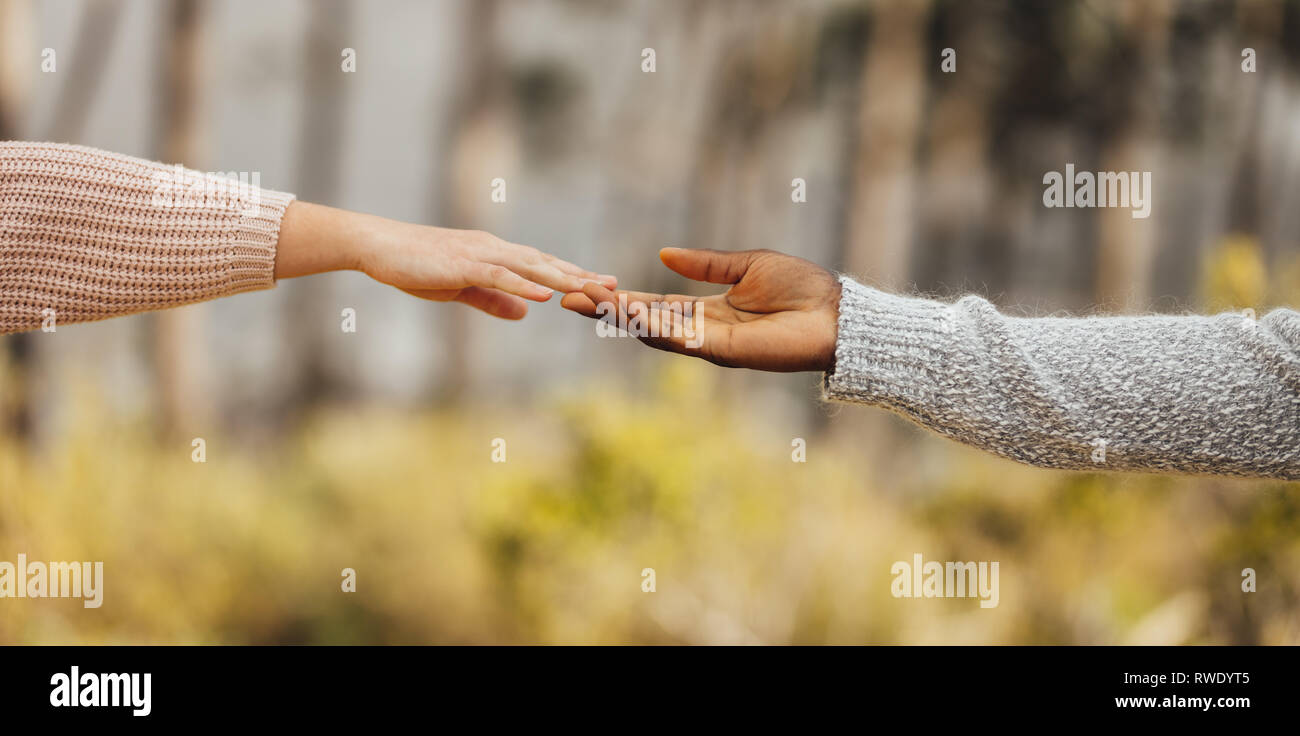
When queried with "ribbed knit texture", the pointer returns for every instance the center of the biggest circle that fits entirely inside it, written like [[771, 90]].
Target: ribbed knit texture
[[1186, 394], [91, 235]]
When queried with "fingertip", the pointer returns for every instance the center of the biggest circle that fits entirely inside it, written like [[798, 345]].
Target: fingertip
[[596, 292], [609, 282], [575, 300]]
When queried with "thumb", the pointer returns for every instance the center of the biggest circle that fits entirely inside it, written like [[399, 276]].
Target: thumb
[[713, 266]]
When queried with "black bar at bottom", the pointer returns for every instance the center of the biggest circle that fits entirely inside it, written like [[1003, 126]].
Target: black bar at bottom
[[626, 686]]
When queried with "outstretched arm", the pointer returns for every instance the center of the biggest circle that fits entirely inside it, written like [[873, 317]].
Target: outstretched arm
[[1188, 394], [86, 235]]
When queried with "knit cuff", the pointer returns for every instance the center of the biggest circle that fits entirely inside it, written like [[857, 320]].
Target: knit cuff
[[251, 264], [889, 348]]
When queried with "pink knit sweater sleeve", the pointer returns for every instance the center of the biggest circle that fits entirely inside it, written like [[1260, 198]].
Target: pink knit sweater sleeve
[[86, 235]]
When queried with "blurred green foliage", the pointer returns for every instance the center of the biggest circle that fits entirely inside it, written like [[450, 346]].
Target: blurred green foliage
[[1234, 276], [549, 546]]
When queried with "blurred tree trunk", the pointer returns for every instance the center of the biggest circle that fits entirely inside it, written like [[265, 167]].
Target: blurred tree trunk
[[882, 202], [1127, 246], [177, 334], [15, 30], [1263, 25], [313, 310], [17, 58], [480, 143], [80, 82], [959, 181], [634, 166]]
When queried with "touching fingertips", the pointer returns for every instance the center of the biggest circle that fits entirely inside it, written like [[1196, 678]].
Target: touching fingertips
[[596, 292], [598, 280]]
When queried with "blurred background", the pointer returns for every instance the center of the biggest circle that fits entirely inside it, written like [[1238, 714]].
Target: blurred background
[[372, 450]]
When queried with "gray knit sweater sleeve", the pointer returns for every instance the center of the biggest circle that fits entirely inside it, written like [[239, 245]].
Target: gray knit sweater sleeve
[[1184, 394]]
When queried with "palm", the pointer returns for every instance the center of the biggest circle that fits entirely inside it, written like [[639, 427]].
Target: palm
[[778, 315]]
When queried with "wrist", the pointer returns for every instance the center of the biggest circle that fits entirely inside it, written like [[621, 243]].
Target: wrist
[[832, 312], [316, 239]]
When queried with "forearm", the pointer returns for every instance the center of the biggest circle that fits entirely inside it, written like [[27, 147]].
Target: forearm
[[1190, 394], [87, 235]]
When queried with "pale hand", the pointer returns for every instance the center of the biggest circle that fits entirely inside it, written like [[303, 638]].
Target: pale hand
[[440, 264]]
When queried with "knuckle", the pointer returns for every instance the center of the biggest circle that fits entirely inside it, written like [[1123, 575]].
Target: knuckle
[[479, 237]]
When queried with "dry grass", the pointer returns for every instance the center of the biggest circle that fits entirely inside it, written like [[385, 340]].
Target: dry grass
[[549, 546]]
